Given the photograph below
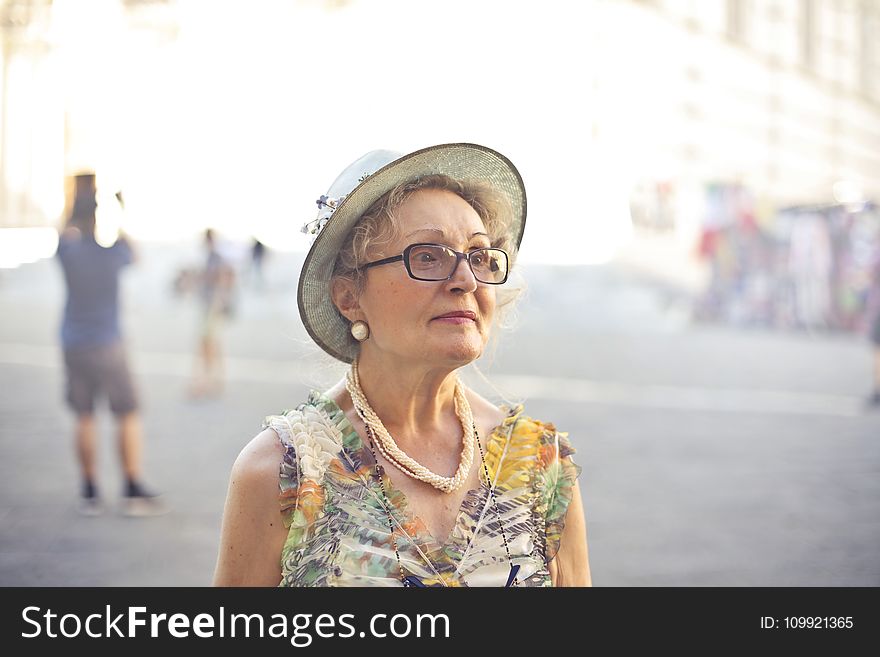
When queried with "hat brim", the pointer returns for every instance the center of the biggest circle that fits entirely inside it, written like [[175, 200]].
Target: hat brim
[[319, 315]]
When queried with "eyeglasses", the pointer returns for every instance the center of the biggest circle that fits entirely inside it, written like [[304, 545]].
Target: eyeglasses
[[435, 262]]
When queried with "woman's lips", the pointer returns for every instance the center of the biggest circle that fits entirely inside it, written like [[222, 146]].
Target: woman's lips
[[462, 317], [454, 319]]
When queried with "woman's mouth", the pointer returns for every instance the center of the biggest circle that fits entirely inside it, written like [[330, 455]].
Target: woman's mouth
[[457, 317]]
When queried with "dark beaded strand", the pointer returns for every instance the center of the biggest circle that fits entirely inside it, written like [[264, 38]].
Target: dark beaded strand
[[386, 504], [495, 504]]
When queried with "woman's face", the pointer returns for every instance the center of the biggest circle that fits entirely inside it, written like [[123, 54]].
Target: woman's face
[[406, 316]]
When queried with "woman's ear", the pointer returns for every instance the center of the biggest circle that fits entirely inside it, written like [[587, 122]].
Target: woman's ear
[[343, 292]]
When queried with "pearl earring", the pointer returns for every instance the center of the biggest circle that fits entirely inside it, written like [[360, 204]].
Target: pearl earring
[[360, 330]]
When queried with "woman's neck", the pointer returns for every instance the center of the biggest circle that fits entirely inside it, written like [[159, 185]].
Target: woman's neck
[[411, 400]]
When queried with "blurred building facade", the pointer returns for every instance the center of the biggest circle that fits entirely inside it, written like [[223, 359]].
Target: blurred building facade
[[56, 54], [781, 96], [24, 50], [778, 97], [762, 175]]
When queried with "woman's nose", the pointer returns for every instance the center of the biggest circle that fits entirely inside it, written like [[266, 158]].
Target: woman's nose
[[463, 278]]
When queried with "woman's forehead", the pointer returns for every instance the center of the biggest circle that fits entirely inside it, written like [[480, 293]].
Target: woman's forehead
[[443, 213], [438, 232]]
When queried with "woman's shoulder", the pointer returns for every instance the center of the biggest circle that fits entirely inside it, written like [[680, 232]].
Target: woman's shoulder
[[486, 414], [258, 460], [516, 419]]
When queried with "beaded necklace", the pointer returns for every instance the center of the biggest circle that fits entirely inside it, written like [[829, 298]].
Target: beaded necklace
[[413, 580], [400, 459]]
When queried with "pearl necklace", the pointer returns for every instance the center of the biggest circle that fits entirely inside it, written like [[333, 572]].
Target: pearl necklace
[[400, 459]]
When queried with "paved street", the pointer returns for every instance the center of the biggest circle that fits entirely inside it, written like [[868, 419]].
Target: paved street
[[710, 456]]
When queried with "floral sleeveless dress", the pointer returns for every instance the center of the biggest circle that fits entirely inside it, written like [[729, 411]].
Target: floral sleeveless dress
[[334, 507]]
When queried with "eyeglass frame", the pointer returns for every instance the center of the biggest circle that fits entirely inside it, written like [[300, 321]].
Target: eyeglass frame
[[459, 256]]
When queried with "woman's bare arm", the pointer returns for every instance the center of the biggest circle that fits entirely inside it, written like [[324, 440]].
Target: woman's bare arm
[[571, 565], [253, 533]]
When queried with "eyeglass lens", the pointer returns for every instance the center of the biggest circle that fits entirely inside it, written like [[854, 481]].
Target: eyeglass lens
[[432, 262]]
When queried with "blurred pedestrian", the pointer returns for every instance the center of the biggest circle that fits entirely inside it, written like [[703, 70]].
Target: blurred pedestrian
[[258, 256], [94, 353], [217, 288], [809, 264], [874, 323], [402, 283]]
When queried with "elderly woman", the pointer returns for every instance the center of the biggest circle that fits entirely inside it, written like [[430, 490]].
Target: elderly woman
[[399, 475]]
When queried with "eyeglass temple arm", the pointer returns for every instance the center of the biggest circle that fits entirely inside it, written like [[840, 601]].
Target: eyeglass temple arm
[[383, 261]]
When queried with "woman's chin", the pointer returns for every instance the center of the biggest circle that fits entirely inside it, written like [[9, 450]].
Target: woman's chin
[[460, 352]]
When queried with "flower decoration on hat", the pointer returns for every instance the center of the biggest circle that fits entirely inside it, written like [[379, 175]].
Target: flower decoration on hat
[[327, 206]]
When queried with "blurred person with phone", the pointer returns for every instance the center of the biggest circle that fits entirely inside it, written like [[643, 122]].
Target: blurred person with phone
[[94, 353]]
